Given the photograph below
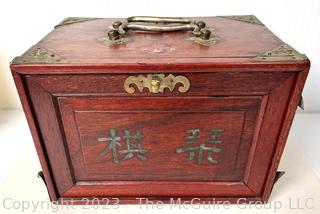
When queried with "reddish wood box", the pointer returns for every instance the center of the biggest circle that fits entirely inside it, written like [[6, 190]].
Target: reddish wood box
[[201, 108]]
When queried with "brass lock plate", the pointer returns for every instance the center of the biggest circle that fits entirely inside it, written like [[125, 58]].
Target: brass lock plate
[[156, 83]]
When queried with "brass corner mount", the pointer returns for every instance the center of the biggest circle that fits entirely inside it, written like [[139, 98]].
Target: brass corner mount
[[73, 20], [244, 18], [38, 55], [283, 52]]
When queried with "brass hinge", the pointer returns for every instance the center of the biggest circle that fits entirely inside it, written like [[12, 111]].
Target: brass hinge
[[279, 174], [37, 55], [245, 18], [301, 103], [41, 175], [283, 52], [72, 20]]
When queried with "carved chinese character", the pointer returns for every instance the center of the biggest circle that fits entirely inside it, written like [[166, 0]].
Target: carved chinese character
[[133, 146], [215, 136], [193, 147], [114, 143]]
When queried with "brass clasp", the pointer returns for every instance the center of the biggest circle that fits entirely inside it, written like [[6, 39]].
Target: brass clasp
[[156, 83]]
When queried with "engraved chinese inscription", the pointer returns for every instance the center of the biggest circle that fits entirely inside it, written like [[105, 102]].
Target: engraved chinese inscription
[[197, 149], [132, 148]]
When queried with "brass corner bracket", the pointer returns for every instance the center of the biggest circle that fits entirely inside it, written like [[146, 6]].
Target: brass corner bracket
[[245, 18], [37, 55], [156, 83], [283, 52], [73, 20]]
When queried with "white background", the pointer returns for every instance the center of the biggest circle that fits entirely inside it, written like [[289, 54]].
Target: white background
[[23, 23]]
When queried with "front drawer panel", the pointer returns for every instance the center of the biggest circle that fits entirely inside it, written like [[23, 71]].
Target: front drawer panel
[[201, 84], [209, 142], [165, 139]]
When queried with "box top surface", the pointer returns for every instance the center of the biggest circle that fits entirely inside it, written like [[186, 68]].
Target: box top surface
[[82, 41]]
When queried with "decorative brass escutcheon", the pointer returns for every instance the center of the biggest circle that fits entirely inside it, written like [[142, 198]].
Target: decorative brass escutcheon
[[156, 83]]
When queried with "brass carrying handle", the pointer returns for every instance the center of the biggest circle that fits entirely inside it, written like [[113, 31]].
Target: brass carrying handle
[[158, 24], [156, 19]]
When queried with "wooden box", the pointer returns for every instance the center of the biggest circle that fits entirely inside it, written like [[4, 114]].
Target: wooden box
[[178, 113]]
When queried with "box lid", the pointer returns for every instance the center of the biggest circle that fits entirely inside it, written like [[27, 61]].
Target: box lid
[[236, 39]]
